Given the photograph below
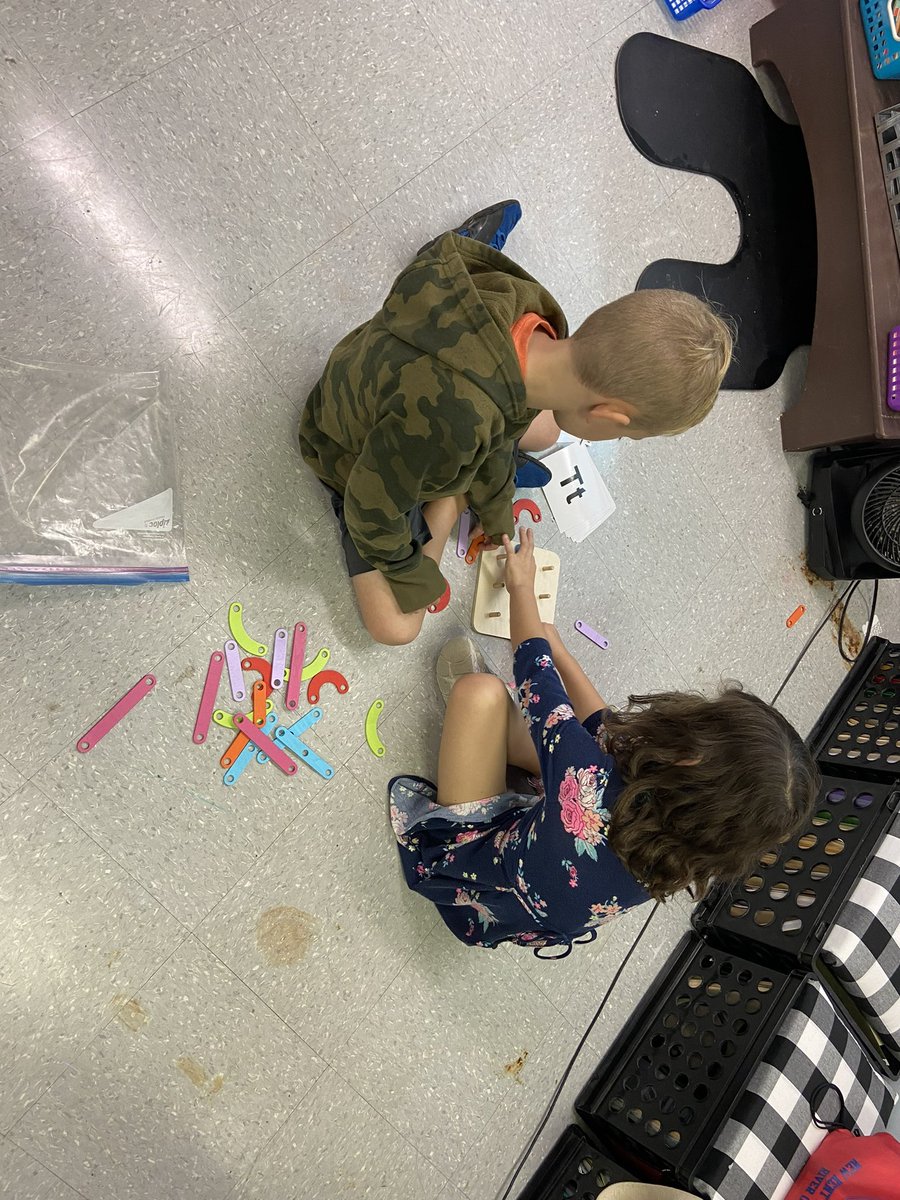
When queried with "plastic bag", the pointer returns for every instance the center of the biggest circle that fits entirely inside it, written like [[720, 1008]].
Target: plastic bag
[[88, 488]]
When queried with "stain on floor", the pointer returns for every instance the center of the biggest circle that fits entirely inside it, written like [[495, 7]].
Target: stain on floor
[[284, 935], [514, 1068], [198, 1076], [132, 1015]]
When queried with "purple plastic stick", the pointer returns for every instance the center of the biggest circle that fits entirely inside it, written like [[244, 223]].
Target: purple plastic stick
[[462, 538], [592, 635], [279, 657], [235, 674], [208, 698], [265, 743], [101, 728]]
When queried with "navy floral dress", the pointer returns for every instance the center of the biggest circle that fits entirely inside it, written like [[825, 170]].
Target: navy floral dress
[[535, 870]]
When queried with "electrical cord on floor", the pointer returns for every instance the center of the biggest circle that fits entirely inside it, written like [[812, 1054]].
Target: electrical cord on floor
[[523, 1157], [850, 588]]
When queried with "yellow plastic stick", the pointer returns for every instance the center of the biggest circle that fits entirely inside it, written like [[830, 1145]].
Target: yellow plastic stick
[[317, 664], [373, 741], [239, 633]]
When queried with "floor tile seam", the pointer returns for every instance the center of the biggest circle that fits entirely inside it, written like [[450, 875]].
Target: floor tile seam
[[184, 928], [319, 1058], [34, 1158], [206, 41], [383, 1116], [89, 1040]]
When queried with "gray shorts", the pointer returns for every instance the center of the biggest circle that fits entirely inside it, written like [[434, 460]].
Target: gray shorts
[[419, 534]]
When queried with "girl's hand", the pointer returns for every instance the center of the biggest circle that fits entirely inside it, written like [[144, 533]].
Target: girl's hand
[[520, 564]]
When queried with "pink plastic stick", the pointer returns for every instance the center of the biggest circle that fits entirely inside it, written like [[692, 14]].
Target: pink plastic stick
[[121, 708], [265, 743], [462, 537], [208, 696], [279, 654], [298, 650]]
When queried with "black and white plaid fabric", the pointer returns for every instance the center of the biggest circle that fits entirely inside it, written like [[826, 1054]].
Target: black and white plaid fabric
[[863, 947], [771, 1133]]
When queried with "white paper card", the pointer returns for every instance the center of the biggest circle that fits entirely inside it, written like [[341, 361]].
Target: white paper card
[[578, 497], [152, 513]]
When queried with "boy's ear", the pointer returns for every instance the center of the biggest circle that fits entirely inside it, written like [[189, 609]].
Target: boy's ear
[[610, 410]]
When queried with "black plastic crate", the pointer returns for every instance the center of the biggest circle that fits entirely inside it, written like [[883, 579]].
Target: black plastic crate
[[859, 731], [575, 1169], [672, 1076], [783, 909]]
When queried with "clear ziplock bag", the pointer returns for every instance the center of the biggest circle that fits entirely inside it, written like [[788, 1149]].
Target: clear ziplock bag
[[88, 487]]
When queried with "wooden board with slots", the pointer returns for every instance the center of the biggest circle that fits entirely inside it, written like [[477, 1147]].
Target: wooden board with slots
[[490, 610]]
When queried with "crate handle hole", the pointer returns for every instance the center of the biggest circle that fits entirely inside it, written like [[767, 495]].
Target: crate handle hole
[[792, 926]]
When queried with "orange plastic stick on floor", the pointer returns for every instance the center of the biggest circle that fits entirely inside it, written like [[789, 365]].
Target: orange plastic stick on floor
[[258, 693], [795, 616]]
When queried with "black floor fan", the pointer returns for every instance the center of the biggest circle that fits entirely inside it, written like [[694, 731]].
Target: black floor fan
[[853, 513]]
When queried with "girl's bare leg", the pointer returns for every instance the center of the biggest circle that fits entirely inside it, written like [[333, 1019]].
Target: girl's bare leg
[[482, 733]]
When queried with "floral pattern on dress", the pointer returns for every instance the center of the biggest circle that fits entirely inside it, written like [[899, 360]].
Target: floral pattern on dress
[[581, 807], [533, 870], [601, 913], [485, 916]]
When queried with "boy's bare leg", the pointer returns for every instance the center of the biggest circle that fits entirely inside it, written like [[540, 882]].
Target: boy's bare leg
[[541, 434], [378, 608], [483, 731]]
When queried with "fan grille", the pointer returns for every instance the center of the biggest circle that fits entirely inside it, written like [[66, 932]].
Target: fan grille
[[881, 516]]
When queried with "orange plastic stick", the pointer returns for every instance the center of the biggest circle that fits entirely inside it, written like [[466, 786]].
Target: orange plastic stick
[[259, 694], [239, 741], [475, 547], [795, 616]]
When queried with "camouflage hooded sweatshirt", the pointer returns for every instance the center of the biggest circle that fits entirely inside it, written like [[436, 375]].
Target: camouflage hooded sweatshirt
[[426, 400]]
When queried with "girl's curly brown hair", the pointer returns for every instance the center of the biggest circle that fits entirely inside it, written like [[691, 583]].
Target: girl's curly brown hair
[[710, 785]]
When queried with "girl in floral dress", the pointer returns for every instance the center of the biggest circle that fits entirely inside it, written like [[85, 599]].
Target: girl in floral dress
[[675, 792]]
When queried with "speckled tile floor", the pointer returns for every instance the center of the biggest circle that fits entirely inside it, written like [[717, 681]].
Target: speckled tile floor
[[226, 187]]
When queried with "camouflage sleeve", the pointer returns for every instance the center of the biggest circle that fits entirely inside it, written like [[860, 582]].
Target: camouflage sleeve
[[492, 490], [384, 485]]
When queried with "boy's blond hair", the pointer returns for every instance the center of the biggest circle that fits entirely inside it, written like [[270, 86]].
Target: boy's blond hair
[[664, 352]]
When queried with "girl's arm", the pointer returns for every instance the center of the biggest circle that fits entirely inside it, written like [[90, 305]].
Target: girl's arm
[[585, 698], [525, 622], [524, 619]]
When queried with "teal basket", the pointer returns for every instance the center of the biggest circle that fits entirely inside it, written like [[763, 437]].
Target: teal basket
[[880, 26], [682, 9]]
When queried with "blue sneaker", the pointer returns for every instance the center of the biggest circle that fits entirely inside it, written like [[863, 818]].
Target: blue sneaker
[[492, 225], [530, 472]]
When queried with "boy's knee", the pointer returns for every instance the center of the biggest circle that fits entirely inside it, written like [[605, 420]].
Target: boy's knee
[[394, 630]]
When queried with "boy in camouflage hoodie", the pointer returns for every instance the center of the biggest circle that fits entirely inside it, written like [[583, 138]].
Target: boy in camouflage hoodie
[[420, 410]]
